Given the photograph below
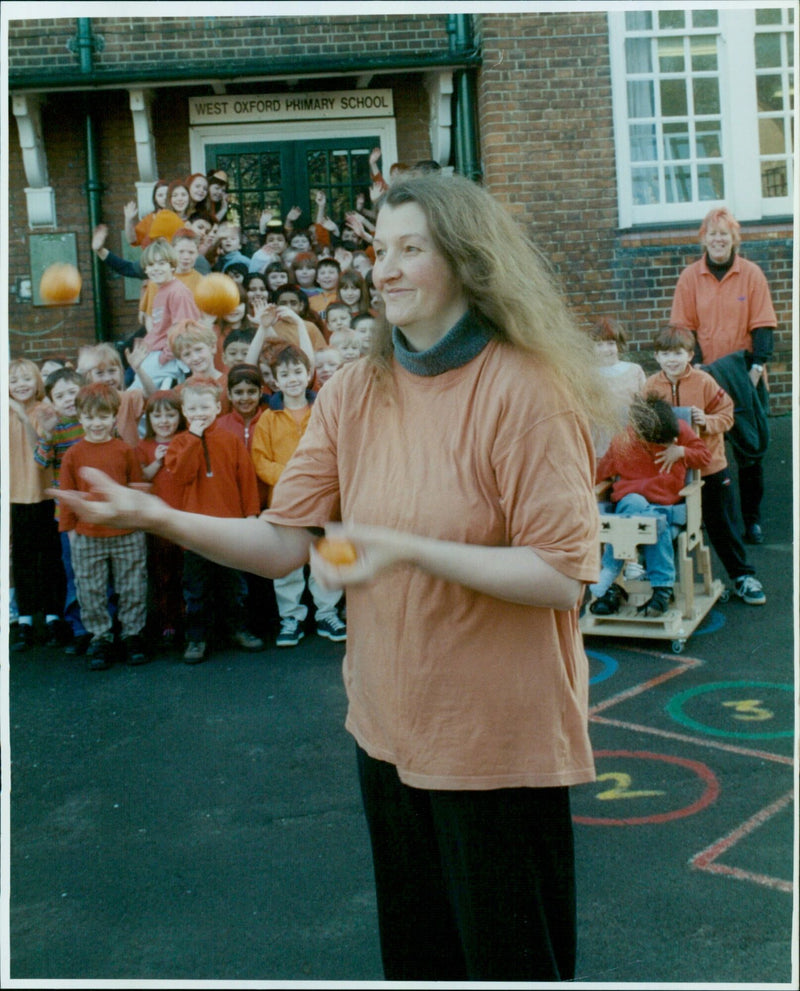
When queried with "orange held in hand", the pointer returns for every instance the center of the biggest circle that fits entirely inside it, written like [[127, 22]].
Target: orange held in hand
[[217, 294], [337, 551], [60, 283]]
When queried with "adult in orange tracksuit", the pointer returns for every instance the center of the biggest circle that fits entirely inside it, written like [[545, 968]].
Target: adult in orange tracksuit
[[725, 300]]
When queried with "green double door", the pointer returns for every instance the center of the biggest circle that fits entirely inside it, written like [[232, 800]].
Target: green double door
[[282, 174]]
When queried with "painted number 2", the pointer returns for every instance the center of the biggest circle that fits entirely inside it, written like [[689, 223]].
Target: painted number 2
[[622, 787], [749, 710]]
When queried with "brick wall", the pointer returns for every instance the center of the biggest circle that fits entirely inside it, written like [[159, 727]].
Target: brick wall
[[544, 103], [222, 42], [545, 132], [40, 331]]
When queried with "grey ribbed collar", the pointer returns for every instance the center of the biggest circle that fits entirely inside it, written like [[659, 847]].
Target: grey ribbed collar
[[463, 342]]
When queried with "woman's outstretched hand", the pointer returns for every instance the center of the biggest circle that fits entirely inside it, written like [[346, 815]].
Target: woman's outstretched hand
[[111, 504], [377, 548]]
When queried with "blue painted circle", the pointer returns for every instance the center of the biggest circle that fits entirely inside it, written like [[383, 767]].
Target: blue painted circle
[[608, 669], [713, 622]]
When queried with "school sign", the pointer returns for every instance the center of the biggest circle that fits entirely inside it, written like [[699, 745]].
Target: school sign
[[249, 108]]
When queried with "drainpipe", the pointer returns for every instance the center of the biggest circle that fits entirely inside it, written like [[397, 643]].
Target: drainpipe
[[94, 189], [462, 42], [86, 44]]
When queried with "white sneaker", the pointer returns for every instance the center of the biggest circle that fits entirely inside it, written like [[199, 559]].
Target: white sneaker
[[749, 590]]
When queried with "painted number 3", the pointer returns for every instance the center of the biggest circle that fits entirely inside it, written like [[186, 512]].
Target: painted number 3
[[749, 710], [622, 787]]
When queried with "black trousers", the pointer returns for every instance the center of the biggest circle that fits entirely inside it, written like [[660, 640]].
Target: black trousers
[[40, 584], [471, 885], [723, 523], [213, 599], [751, 488]]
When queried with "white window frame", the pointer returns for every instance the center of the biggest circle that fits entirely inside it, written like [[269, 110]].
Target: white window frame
[[738, 122]]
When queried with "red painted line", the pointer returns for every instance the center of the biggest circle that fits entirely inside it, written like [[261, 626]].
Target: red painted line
[[645, 686], [706, 859], [710, 793], [706, 742]]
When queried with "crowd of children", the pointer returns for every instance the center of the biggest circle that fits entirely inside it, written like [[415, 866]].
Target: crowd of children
[[207, 410], [203, 409]]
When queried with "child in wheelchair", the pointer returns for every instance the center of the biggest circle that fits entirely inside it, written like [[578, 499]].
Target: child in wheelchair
[[646, 465]]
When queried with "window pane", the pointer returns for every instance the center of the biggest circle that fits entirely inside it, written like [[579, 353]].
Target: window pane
[[248, 164], [251, 209], [643, 142], [641, 100], [706, 96], [227, 164], [645, 186], [774, 181], [710, 182], [673, 98], [270, 168], [676, 142], [771, 136], [671, 19], [317, 168], [679, 183], [768, 51], [704, 53], [768, 16], [769, 90], [709, 139], [670, 55], [637, 55], [638, 20], [704, 18], [340, 166]]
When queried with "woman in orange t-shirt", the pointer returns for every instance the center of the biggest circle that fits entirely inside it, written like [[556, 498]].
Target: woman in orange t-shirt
[[457, 457]]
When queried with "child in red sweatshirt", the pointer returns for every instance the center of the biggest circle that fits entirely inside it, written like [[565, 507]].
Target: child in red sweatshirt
[[647, 463], [216, 477], [100, 553]]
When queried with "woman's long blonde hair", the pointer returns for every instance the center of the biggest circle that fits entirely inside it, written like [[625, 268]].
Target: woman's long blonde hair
[[505, 278]]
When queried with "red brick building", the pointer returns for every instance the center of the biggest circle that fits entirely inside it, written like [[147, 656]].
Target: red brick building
[[608, 135]]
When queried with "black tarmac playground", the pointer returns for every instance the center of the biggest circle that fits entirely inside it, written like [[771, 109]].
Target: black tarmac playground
[[202, 824]]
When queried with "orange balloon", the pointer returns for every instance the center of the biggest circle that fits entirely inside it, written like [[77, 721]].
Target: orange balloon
[[60, 283], [337, 551], [217, 294]]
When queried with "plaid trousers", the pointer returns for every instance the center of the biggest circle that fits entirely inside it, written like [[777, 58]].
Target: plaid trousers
[[120, 561]]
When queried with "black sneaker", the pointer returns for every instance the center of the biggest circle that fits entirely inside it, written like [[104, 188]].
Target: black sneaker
[[658, 603], [23, 639], [753, 534], [609, 603], [332, 628], [134, 650], [78, 646], [290, 633], [56, 634], [99, 654]]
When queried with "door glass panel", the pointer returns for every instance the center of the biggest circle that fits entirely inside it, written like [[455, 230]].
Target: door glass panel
[[278, 175]]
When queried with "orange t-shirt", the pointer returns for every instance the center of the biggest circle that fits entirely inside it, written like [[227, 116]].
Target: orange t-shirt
[[722, 313], [457, 689]]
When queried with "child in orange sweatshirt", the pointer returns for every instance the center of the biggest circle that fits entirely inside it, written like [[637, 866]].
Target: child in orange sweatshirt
[[275, 439]]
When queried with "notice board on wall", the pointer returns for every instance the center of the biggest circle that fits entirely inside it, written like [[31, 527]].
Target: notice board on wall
[[46, 250]]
